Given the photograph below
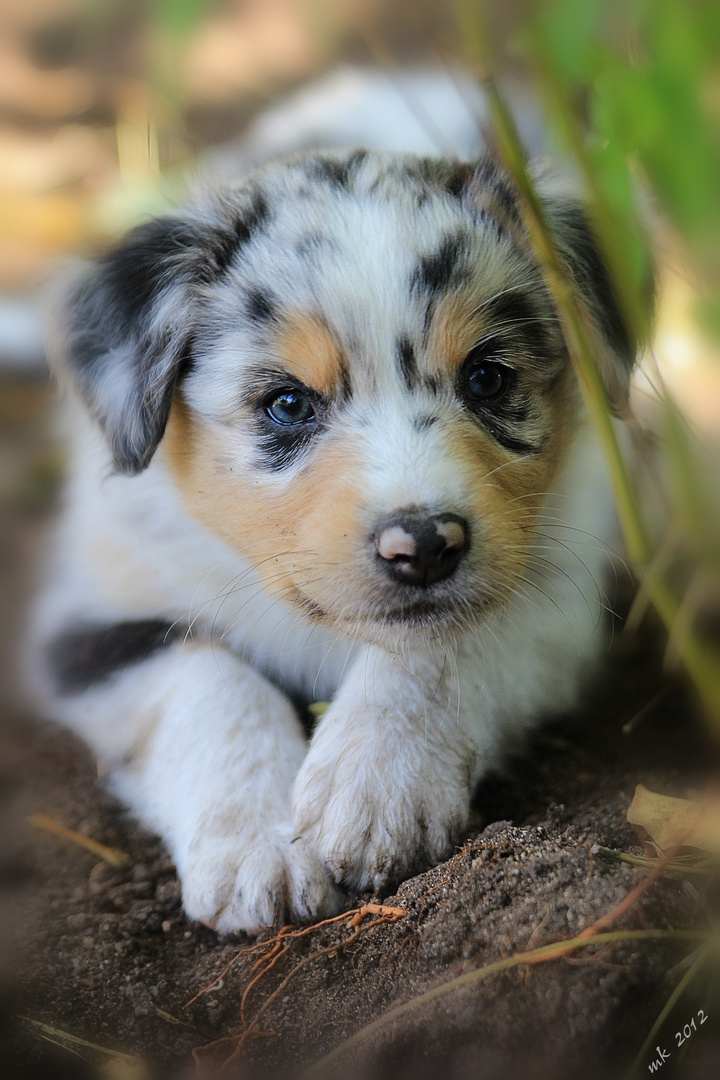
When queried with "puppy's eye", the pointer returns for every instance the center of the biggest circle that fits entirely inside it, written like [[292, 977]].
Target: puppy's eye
[[290, 407], [486, 380]]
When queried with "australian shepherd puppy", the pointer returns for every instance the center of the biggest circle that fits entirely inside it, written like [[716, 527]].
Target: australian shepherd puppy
[[326, 445]]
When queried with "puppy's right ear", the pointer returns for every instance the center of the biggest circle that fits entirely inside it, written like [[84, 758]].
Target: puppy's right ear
[[128, 321]]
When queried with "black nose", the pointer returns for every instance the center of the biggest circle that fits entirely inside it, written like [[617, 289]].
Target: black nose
[[419, 548]]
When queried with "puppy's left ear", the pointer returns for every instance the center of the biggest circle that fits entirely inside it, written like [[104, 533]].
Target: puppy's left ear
[[580, 250]]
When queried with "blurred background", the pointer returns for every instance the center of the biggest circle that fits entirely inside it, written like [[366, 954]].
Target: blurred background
[[105, 104]]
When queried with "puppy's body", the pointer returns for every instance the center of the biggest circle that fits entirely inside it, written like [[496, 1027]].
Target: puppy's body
[[327, 446]]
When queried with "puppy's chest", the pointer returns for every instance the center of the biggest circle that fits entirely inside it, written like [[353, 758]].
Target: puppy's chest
[[307, 663], [231, 609]]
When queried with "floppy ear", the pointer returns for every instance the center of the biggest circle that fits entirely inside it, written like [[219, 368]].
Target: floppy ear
[[579, 248], [129, 320]]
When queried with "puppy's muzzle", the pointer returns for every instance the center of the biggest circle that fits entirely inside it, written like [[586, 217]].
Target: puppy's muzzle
[[420, 548]]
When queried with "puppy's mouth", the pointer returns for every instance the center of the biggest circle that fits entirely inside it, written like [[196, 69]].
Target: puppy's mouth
[[418, 614]]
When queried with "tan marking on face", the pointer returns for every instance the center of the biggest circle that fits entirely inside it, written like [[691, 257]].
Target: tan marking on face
[[454, 330], [505, 504], [459, 321], [506, 496], [310, 352], [301, 536]]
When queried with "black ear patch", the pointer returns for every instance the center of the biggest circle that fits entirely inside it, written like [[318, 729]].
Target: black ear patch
[[131, 319], [580, 249]]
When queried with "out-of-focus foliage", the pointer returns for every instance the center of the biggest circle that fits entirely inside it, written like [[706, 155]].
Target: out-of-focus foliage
[[644, 76], [172, 26]]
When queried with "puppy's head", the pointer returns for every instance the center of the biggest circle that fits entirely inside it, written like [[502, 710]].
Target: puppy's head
[[357, 376]]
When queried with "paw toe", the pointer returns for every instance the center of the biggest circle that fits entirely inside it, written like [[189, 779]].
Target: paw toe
[[257, 888]]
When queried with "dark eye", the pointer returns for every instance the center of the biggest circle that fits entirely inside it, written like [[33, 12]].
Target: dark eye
[[486, 379], [290, 407]]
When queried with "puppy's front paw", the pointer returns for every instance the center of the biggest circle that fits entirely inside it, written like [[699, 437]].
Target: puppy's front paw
[[374, 818], [231, 885]]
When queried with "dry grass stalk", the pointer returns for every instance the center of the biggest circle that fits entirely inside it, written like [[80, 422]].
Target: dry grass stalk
[[110, 855], [111, 1064]]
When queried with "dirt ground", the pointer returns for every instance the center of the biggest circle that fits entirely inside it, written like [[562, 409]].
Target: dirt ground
[[104, 953]]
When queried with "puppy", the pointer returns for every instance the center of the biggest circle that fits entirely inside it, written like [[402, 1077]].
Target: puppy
[[326, 445]]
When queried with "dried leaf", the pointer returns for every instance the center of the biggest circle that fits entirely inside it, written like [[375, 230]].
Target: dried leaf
[[675, 822]]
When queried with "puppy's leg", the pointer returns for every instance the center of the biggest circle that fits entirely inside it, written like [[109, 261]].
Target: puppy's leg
[[386, 784], [205, 751], [387, 781]]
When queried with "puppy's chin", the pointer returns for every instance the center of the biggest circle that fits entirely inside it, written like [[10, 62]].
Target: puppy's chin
[[419, 621]]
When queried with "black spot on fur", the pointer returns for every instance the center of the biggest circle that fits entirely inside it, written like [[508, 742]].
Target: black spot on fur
[[422, 423], [455, 183], [512, 442], [331, 170], [441, 176], [345, 391], [309, 246], [435, 272], [355, 159], [87, 655], [336, 171], [512, 308], [507, 421], [260, 306], [488, 176], [280, 447], [407, 362], [520, 323], [226, 243]]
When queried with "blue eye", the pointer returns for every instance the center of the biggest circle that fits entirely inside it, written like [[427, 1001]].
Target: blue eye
[[486, 380], [290, 407]]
